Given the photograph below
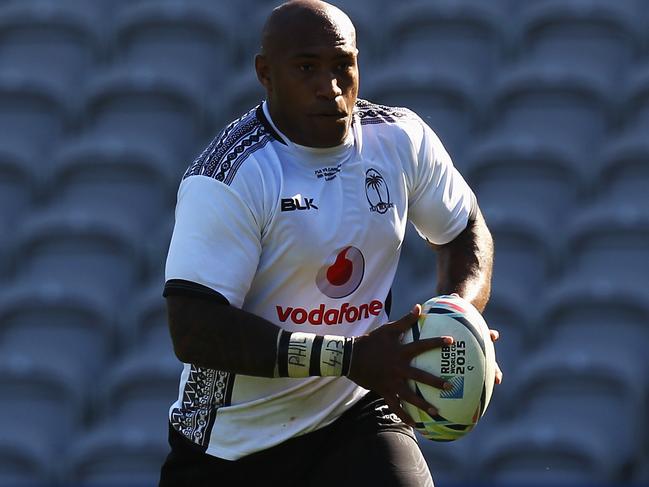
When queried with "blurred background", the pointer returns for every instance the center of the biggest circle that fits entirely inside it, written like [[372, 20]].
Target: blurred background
[[544, 107]]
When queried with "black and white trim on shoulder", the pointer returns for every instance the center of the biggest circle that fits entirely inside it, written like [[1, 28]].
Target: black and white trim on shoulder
[[371, 113], [235, 143]]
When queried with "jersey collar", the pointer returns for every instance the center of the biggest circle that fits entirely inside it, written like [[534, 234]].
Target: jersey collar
[[264, 115], [264, 118]]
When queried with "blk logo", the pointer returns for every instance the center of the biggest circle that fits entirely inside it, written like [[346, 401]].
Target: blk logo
[[342, 273], [298, 203], [376, 190]]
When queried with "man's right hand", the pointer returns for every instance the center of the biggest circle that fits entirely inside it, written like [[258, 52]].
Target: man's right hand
[[381, 363]]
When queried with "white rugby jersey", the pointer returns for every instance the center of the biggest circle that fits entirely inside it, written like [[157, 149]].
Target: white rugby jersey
[[310, 240]]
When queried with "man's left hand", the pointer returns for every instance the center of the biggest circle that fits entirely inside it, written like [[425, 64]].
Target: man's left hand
[[495, 335]]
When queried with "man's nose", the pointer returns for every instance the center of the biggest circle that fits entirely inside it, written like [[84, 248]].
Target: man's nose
[[328, 87]]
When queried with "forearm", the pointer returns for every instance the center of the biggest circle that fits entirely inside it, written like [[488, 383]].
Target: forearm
[[218, 336], [464, 265]]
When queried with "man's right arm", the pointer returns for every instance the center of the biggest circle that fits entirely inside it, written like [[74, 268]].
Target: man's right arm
[[215, 335]]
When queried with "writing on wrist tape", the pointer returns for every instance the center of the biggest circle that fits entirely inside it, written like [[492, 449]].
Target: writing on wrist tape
[[302, 354]]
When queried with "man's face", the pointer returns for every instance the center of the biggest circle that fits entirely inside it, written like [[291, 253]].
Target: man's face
[[312, 86]]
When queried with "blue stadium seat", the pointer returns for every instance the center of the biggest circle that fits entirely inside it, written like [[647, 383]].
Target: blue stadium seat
[[72, 327], [631, 7], [40, 401], [252, 13], [641, 472], [533, 178], [143, 107], [507, 313], [601, 314], [5, 266], [568, 109], [461, 36], [106, 175], [612, 242], [138, 391], [186, 39], [34, 116], [79, 249], [24, 462], [621, 178], [594, 37], [635, 102], [48, 40], [104, 12], [447, 102], [242, 93], [244, 8], [113, 457], [18, 187], [525, 255], [516, 8], [588, 390], [145, 322], [156, 249], [542, 452]]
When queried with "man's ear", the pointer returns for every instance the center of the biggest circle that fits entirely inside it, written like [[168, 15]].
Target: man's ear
[[263, 71]]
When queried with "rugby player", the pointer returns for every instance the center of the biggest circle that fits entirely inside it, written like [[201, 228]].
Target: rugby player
[[288, 232]]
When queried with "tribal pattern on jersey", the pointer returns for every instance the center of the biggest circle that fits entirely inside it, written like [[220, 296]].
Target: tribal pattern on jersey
[[223, 157], [204, 392], [371, 113]]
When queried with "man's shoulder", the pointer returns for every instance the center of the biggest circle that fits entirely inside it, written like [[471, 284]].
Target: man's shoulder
[[375, 114], [388, 124], [227, 152]]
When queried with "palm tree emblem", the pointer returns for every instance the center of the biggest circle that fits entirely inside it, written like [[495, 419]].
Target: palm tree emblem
[[376, 190]]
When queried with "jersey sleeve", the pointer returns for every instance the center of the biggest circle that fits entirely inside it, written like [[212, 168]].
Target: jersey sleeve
[[216, 241], [441, 203]]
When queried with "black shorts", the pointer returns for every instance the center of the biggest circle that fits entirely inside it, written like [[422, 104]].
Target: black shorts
[[365, 446]]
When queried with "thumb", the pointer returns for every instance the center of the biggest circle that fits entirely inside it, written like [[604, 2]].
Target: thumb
[[406, 321]]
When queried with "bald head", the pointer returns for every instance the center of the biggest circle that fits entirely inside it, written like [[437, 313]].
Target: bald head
[[296, 21], [308, 65]]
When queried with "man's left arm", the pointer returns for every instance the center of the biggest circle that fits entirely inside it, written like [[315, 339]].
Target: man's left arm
[[440, 202], [464, 265]]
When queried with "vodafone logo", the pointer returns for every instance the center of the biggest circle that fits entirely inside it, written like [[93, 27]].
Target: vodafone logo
[[342, 273], [347, 313], [340, 276]]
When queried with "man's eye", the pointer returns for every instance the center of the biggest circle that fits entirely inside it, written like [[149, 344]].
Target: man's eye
[[345, 66]]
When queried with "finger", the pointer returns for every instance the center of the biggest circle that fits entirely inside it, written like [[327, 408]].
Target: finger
[[419, 402], [427, 378], [396, 408], [408, 320], [495, 335], [415, 348], [499, 375]]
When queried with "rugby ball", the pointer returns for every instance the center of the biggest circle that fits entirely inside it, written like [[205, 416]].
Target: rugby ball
[[469, 364]]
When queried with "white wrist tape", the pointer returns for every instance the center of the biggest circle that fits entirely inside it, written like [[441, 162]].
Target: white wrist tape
[[302, 354]]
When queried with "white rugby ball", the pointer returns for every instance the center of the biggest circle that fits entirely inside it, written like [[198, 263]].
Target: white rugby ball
[[469, 364]]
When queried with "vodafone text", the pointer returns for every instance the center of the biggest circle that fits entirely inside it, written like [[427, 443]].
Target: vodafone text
[[329, 316]]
